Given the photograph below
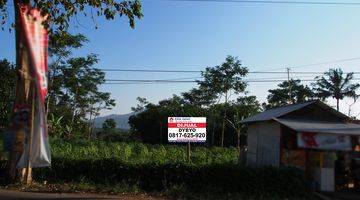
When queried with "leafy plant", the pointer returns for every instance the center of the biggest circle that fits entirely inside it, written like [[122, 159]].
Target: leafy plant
[[334, 83]]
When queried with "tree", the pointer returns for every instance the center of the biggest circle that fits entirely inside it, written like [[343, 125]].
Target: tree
[[280, 96], [76, 92], [66, 74], [149, 124], [61, 45], [59, 14], [355, 98], [141, 105], [243, 107], [73, 95], [109, 126], [201, 96], [224, 81], [7, 87], [334, 83], [146, 124], [240, 109], [62, 12]]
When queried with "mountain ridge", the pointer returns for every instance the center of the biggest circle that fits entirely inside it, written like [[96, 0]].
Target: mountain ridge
[[122, 120]]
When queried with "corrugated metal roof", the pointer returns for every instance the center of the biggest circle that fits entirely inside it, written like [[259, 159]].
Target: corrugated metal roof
[[276, 112], [321, 127]]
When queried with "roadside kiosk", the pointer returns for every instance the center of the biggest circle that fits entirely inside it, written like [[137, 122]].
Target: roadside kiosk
[[311, 136]]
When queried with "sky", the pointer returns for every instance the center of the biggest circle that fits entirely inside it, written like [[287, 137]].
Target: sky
[[176, 35]]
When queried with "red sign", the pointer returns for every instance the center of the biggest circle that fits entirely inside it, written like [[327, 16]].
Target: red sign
[[36, 37], [187, 125]]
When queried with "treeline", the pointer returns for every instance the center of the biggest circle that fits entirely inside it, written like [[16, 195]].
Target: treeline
[[211, 99], [151, 122], [74, 97], [221, 95]]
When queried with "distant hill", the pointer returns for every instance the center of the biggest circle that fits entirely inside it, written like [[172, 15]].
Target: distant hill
[[121, 121]]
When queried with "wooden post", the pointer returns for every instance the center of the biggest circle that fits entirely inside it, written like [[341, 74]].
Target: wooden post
[[189, 152], [30, 142], [28, 177]]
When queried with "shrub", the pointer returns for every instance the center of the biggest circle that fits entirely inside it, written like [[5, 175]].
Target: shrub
[[229, 178], [159, 168]]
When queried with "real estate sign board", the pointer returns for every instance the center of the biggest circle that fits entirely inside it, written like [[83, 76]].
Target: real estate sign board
[[187, 129]]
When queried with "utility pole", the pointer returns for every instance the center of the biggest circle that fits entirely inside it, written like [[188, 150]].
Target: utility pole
[[288, 77]]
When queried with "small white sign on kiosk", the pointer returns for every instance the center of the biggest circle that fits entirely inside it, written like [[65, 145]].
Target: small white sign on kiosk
[[324, 141]]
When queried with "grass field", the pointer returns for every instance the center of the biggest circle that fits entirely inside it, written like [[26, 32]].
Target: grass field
[[117, 167]]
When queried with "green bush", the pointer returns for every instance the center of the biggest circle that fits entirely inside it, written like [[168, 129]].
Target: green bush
[[229, 178], [159, 168]]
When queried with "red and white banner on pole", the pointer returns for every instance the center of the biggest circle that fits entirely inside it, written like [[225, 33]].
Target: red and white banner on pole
[[34, 37], [36, 40]]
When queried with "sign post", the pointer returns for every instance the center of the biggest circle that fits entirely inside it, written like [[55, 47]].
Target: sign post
[[187, 130], [189, 151]]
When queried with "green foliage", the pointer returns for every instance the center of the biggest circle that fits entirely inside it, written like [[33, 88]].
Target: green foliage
[[158, 168], [61, 43], [109, 126], [74, 93], [116, 135], [7, 91], [218, 81], [225, 78], [3, 158], [223, 81], [62, 12], [55, 127], [281, 96], [151, 123], [261, 183], [139, 153], [141, 105], [334, 83], [201, 96], [135, 167]]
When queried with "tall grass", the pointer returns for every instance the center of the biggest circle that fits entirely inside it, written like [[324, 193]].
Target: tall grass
[[139, 153], [118, 167]]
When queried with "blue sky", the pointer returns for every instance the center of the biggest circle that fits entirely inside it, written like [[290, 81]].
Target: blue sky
[[193, 35]]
